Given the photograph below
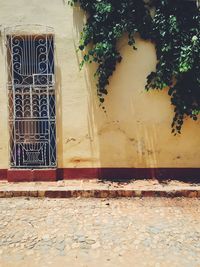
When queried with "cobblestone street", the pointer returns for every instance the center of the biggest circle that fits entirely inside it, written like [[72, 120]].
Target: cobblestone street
[[99, 232]]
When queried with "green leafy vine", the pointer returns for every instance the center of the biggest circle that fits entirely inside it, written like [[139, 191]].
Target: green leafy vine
[[174, 27]]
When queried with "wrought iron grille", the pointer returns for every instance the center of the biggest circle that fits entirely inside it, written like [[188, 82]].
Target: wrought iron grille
[[31, 90]]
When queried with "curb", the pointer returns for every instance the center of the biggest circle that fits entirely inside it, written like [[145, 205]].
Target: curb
[[99, 193]]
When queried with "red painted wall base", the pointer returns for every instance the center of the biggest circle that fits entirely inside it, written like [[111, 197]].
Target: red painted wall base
[[25, 175], [16, 175]]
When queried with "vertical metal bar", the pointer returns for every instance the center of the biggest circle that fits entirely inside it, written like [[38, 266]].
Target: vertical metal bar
[[54, 99], [31, 100], [48, 126], [26, 56], [13, 102]]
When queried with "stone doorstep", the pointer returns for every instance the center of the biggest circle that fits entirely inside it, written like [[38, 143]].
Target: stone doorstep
[[99, 193], [99, 189]]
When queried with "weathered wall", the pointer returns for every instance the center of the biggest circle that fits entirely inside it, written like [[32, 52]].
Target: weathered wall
[[135, 131]]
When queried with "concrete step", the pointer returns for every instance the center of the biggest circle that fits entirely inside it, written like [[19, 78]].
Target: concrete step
[[99, 189]]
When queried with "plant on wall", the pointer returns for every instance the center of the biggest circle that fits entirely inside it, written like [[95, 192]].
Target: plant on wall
[[174, 27], [176, 33]]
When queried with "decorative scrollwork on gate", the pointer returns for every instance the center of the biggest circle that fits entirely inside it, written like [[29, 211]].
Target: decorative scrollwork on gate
[[31, 91]]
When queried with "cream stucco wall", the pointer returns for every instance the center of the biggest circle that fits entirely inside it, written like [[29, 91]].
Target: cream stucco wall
[[135, 131]]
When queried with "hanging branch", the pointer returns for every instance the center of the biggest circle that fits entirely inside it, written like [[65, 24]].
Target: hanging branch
[[175, 30]]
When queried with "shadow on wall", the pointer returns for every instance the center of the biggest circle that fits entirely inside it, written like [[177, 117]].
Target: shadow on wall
[[135, 130]]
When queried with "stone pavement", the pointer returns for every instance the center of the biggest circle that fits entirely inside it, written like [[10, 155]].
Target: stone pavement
[[81, 232], [100, 189]]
